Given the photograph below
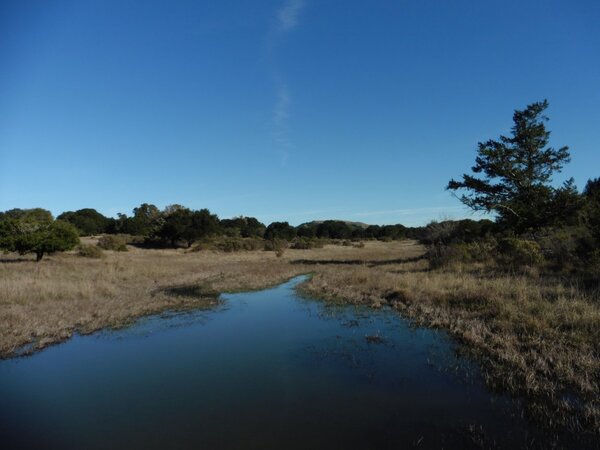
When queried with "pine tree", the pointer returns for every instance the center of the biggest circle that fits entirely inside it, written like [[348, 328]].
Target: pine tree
[[512, 176]]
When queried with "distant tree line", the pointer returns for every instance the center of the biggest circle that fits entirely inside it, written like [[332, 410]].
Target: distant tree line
[[36, 231], [177, 224]]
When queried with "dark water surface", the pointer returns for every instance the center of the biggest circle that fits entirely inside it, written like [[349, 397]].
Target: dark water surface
[[267, 370]]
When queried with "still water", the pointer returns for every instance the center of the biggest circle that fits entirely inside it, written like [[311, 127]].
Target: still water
[[265, 370]]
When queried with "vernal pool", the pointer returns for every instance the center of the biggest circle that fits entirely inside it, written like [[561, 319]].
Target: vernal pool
[[266, 370]]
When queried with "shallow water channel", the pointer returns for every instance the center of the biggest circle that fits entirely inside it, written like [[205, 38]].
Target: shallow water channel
[[265, 370]]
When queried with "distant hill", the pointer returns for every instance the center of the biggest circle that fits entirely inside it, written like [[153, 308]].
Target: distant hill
[[354, 225]]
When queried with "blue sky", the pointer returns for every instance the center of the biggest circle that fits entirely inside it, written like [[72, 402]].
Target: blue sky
[[283, 110]]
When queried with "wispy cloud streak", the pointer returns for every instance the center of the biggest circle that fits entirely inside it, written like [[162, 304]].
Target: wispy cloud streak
[[286, 20], [288, 15], [281, 115]]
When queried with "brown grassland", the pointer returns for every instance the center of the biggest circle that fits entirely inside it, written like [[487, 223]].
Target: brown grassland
[[534, 336]]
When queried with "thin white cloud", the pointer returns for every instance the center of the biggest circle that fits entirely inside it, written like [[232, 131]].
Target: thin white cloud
[[288, 15], [281, 114], [286, 20]]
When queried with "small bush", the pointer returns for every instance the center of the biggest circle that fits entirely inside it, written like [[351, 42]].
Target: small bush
[[229, 244], [307, 243], [90, 251], [462, 253], [112, 242], [240, 244], [517, 253], [275, 245]]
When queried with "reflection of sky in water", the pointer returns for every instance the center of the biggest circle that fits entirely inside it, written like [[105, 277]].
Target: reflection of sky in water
[[267, 369]]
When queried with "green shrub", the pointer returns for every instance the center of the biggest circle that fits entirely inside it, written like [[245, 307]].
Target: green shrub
[[275, 245], [229, 244], [461, 253], [112, 242], [90, 251], [240, 244], [305, 243], [516, 253]]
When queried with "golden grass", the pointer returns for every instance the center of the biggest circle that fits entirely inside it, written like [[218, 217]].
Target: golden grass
[[534, 336]]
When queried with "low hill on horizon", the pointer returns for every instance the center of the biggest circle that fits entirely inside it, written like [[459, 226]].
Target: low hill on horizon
[[360, 225]]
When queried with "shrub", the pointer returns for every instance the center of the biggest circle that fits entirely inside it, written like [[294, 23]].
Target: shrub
[[275, 245], [239, 244], [229, 244], [461, 253], [112, 242], [307, 243], [90, 251], [516, 253]]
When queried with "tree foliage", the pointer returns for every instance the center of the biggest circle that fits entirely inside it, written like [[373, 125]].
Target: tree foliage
[[243, 226], [512, 176], [88, 221], [280, 230], [591, 209], [183, 224], [36, 234]]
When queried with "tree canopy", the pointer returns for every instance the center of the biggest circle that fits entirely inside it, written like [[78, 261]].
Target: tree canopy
[[88, 221], [34, 233], [280, 230], [183, 224]]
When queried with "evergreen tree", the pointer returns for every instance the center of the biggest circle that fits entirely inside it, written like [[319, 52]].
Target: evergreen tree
[[515, 176]]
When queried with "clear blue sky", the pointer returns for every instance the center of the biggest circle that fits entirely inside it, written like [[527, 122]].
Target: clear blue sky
[[283, 110]]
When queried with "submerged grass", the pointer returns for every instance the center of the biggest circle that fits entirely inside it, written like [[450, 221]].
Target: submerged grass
[[535, 337]]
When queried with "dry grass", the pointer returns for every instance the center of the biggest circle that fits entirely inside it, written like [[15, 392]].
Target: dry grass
[[534, 337]]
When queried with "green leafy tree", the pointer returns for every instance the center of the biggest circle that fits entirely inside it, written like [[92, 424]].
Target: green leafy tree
[[175, 225], [307, 230], [202, 223], [334, 229], [183, 224], [146, 220], [30, 215], [512, 176], [88, 221], [243, 226], [27, 235], [280, 230]]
